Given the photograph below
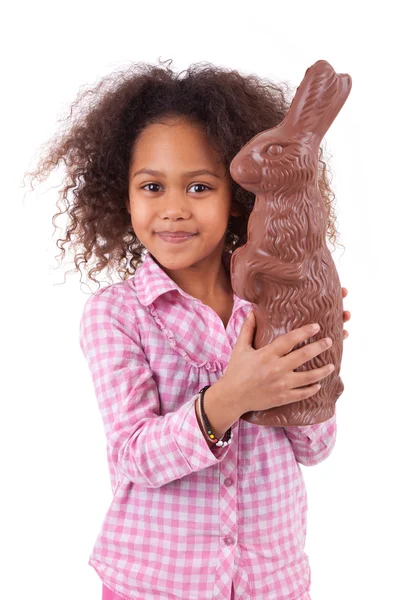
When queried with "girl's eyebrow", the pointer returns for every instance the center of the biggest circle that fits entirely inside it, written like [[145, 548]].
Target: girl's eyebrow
[[188, 173]]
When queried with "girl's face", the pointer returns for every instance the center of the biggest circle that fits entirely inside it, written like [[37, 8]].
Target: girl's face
[[173, 199]]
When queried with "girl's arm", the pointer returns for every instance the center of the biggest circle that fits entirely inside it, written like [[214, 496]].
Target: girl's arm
[[149, 449], [312, 443]]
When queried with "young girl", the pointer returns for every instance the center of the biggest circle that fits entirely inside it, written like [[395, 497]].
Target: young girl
[[205, 505]]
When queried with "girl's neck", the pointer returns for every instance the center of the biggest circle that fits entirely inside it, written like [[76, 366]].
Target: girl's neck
[[210, 282]]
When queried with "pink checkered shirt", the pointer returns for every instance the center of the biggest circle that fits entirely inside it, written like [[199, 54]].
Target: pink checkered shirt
[[186, 521]]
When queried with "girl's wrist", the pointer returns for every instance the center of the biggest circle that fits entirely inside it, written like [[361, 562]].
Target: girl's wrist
[[220, 413], [200, 423]]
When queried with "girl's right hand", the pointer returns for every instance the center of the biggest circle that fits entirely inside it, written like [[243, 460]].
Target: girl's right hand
[[264, 378]]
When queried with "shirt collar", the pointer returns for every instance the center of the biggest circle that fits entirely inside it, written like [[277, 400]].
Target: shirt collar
[[151, 282]]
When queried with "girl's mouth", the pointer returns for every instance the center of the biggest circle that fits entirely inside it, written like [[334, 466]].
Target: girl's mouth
[[176, 239]]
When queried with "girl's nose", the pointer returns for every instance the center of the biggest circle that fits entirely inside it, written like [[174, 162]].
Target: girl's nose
[[175, 205]]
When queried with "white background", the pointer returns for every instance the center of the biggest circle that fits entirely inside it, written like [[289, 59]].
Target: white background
[[54, 478]]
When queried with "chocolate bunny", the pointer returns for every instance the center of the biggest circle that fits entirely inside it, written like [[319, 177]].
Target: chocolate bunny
[[285, 268]]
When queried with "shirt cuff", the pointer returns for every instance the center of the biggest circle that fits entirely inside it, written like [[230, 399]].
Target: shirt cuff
[[191, 441]]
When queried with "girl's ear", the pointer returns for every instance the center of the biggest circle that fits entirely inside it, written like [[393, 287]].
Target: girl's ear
[[127, 206]]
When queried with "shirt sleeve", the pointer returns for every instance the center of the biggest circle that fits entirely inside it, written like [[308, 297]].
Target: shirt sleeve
[[149, 449], [312, 444]]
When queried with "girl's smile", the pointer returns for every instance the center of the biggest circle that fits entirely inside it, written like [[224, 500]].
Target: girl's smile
[[176, 238]]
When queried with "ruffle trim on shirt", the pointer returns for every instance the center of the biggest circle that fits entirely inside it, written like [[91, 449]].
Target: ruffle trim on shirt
[[211, 365]]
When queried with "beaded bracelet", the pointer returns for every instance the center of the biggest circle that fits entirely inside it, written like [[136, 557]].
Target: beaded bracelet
[[224, 440], [203, 425], [207, 428]]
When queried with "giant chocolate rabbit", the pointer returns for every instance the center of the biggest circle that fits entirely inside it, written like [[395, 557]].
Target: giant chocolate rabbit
[[286, 269]]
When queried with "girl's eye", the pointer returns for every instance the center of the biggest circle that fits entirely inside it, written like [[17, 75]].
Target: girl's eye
[[201, 185], [157, 185], [147, 185]]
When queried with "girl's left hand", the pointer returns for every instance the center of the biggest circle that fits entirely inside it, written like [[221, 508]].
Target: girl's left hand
[[346, 314]]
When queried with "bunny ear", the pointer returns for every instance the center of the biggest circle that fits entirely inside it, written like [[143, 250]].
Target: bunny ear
[[318, 99]]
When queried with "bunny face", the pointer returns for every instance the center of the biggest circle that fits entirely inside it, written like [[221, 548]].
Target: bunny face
[[272, 161], [284, 158]]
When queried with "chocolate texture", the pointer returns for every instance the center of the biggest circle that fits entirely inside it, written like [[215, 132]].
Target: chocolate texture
[[285, 268]]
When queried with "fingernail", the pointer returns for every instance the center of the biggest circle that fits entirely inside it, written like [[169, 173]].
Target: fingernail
[[315, 327]]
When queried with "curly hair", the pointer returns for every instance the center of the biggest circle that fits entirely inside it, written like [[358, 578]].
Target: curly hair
[[98, 138]]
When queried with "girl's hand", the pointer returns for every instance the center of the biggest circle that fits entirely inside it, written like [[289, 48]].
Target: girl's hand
[[346, 314], [261, 379]]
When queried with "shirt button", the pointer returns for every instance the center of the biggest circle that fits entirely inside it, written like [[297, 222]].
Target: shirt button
[[228, 481], [229, 540]]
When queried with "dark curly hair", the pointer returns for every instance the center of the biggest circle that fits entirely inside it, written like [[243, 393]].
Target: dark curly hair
[[97, 141]]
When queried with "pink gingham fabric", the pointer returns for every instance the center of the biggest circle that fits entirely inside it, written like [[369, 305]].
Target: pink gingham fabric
[[185, 520]]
